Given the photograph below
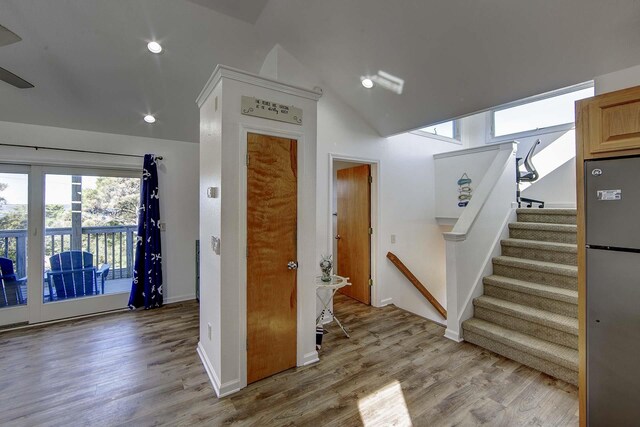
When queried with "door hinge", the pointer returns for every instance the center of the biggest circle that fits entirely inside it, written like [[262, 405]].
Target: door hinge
[[247, 159], [370, 281], [247, 344], [370, 230], [370, 179]]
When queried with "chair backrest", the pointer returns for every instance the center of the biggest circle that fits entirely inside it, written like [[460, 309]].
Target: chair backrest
[[7, 274], [532, 174], [6, 269], [74, 274]]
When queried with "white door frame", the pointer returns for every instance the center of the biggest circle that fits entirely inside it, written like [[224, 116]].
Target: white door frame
[[375, 216], [245, 129]]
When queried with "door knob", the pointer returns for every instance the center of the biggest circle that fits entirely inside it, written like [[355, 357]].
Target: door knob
[[337, 237], [292, 265]]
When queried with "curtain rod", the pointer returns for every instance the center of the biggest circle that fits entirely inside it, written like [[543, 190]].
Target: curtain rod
[[35, 147]]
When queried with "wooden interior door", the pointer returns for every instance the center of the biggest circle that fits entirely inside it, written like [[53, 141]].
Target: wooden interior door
[[272, 187], [354, 225]]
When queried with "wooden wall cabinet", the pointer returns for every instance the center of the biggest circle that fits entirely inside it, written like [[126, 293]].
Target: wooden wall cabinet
[[613, 122], [607, 126]]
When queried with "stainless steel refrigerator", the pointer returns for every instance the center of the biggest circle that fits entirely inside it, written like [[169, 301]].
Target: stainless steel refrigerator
[[612, 207]]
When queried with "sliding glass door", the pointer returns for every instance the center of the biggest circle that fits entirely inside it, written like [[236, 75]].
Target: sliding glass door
[[67, 239], [90, 219], [14, 219]]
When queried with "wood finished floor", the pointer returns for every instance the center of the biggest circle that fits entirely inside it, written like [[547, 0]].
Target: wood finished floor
[[141, 368]]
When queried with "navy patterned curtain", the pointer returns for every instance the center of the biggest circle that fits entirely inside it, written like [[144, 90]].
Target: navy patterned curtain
[[146, 289]]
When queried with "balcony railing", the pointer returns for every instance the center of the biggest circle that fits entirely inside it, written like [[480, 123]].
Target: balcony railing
[[112, 245]]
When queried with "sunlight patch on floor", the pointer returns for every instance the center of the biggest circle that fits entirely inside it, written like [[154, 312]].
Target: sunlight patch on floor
[[386, 406]]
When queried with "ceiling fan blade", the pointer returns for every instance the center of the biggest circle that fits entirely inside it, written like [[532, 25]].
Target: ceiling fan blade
[[8, 37], [14, 80]]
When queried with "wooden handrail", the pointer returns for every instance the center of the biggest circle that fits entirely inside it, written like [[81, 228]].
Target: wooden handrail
[[415, 282]]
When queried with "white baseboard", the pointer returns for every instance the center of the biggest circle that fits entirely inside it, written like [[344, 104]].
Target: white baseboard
[[180, 298], [310, 358], [221, 390], [453, 336], [386, 301]]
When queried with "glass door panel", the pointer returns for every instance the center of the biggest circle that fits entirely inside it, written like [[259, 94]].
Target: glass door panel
[[13, 245], [90, 232]]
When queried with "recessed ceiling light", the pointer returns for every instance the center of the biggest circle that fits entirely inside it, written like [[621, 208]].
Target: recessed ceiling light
[[154, 47], [149, 119], [367, 82]]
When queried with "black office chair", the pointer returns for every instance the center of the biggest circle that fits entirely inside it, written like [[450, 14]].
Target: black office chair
[[531, 175]]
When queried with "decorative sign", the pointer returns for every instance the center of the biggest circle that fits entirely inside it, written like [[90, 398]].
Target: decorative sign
[[256, 107], [464, 190]]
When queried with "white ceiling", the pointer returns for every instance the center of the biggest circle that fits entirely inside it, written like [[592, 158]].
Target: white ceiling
[[91, 69], [89, 63], [456, 56], [248, 11]]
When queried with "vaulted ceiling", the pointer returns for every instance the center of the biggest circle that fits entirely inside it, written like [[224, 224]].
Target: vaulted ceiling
[[88, 58]]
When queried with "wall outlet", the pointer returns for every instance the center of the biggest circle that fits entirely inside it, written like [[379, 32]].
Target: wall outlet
[[163, 226], [209, 330], [393, 239], [212, 192]]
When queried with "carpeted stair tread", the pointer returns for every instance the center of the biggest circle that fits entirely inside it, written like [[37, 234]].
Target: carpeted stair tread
[[544, 226], [546, 350], [541, 317], [531, 264], [536, 289], [541, 245], [547, 211]]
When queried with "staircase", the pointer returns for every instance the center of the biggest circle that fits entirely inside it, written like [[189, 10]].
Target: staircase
[[529, 309]]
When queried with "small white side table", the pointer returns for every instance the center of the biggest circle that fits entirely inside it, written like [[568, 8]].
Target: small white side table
[[326, 298]]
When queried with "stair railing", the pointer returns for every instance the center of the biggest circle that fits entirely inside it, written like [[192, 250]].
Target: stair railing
[[417, 284]]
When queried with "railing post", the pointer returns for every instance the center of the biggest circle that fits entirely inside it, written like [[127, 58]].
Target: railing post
[[130, 251], [76, 213], [21, 255]]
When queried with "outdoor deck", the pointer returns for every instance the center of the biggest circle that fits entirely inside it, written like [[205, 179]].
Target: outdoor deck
[[111, 245]]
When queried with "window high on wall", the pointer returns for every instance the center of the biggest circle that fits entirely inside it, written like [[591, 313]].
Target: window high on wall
[[549, 112], [448, 131]]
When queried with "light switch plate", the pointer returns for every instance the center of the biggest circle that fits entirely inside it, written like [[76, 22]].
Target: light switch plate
[[215, 245]]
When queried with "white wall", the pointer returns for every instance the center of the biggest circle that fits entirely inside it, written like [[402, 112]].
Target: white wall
[[178, 177], [449, 169], [617, 80], [406, 193]]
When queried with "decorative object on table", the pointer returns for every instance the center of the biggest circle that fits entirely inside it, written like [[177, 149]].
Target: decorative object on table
[[146, 287], [464, 190], [326, 265]]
